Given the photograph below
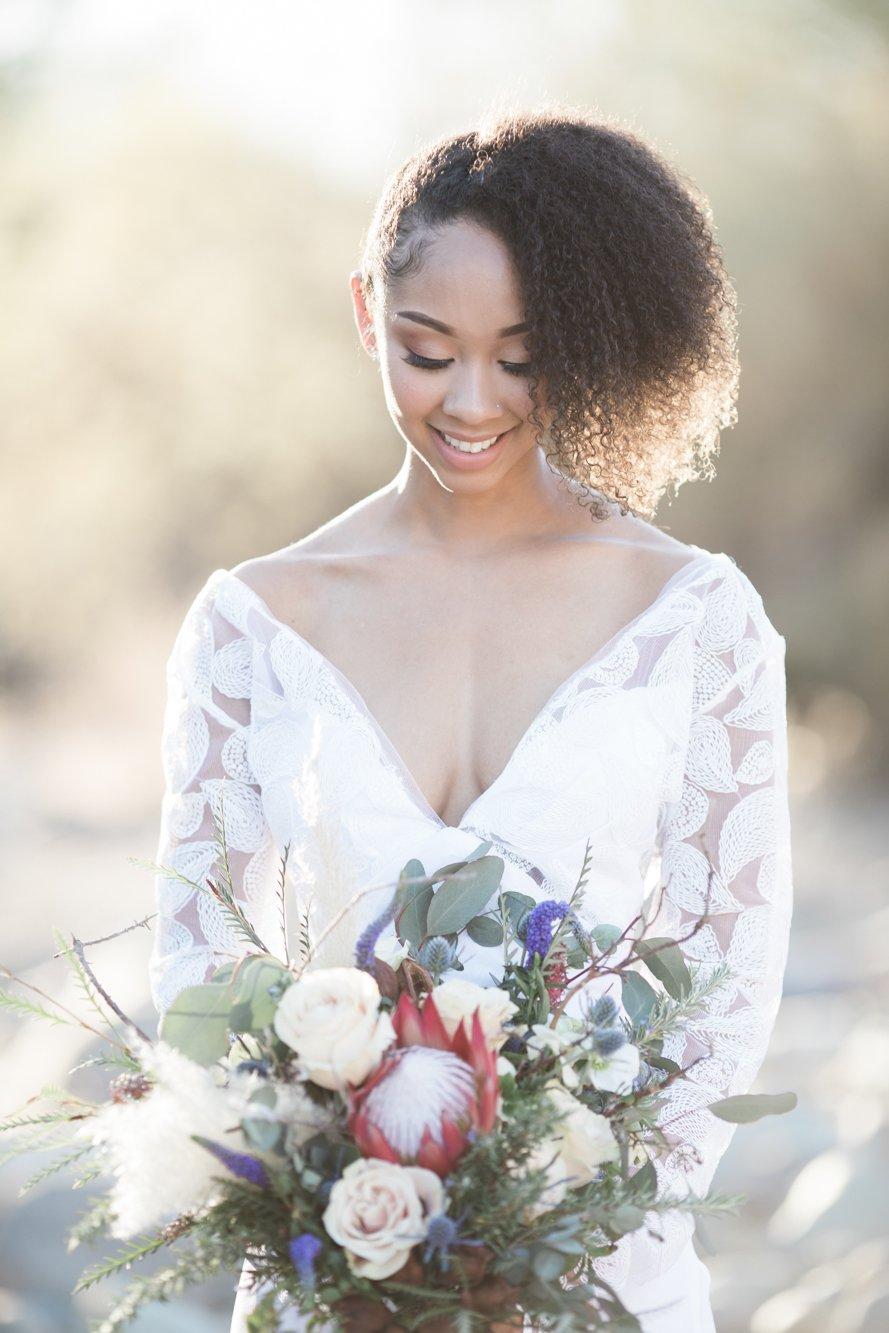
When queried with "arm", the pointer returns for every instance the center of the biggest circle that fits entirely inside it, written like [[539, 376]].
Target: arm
[[206, 769], [732, 820]]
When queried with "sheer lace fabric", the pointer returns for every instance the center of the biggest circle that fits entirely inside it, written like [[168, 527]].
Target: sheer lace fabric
[[667, 751]]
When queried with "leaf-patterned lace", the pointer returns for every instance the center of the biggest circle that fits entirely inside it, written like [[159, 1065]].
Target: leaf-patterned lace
[[667, 751]]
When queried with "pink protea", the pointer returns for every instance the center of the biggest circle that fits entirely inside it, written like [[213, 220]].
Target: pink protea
[[430, 1095]]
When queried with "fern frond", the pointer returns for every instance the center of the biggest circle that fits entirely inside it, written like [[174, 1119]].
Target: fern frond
[[22, 1008], [52, 1168], [130, 1254]]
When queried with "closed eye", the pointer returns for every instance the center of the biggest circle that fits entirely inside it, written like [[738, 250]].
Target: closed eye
[[426, 363]]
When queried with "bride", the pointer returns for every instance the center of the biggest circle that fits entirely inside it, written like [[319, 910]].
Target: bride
[[500, 643]]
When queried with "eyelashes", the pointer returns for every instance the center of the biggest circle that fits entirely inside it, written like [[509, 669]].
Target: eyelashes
[[425, 363]]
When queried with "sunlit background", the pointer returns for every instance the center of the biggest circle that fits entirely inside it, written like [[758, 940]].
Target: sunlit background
[[183, 190]]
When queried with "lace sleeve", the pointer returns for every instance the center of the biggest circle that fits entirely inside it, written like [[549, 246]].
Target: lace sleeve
[[732, 820], [207, 771]]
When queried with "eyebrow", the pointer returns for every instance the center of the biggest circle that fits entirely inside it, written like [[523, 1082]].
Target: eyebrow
[[418, 318]]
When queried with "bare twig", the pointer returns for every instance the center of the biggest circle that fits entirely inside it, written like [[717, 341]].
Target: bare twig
[[81, 1022], [104, 939], [78, 948]]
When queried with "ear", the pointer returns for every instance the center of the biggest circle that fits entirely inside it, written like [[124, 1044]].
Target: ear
[[363, 318]]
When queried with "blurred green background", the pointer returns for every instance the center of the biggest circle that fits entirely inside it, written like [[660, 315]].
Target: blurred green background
[[183, 192]]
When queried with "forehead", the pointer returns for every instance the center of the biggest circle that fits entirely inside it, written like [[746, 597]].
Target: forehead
[[467, 280]]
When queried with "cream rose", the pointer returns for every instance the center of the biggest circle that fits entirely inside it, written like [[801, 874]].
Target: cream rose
[[456, 999], [378, 1211], [331, 1019], [556, 1185], [583, 1138]]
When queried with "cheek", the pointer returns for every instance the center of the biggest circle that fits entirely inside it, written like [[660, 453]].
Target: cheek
[[413, 392]]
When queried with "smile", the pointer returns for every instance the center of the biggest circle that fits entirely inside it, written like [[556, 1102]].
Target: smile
[[469, 446]]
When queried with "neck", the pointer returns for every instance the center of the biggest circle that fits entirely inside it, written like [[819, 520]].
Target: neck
[[527, 502]]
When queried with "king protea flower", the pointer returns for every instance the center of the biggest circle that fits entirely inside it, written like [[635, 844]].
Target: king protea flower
[[431, 1093]]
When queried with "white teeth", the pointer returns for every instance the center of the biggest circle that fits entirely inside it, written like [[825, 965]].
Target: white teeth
[[470, 448]]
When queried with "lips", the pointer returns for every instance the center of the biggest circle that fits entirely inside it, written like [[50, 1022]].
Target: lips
[[449, 441]]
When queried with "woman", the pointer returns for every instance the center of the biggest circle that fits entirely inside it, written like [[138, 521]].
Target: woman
[[500, 644]]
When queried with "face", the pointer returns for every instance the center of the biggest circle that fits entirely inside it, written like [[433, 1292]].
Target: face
[[453, 358]]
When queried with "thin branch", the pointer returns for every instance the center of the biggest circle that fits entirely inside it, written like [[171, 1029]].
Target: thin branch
[[78, 948], [81, 1022], [104, 939]]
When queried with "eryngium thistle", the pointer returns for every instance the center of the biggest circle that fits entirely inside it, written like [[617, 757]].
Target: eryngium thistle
[[608, 1040], [436, 955], [603, 1011]]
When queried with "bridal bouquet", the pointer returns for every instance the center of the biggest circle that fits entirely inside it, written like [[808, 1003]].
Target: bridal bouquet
[[391, 1145]]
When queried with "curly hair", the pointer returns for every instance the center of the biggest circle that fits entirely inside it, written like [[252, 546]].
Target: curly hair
[[632, 317]]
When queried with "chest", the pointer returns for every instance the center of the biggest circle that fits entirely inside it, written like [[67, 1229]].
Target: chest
[[455, 664]]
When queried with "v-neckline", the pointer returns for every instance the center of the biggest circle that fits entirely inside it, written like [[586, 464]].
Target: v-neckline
[[408, 780]]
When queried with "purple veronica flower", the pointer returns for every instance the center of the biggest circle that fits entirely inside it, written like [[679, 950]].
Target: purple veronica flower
[[364, 947], [304, 1250], [240, 1164], [539, 933]]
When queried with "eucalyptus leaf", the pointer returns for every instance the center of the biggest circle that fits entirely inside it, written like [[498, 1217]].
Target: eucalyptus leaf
[[197, 1022], [255, 988], [638, 997], [486, 931], [517, 905], [605, 935], [667, 965], [548, 1264], [644, 1181], [747, 1107], [460, 899], [443, 871], [411, 919], [263, 1135], [663, 1062]]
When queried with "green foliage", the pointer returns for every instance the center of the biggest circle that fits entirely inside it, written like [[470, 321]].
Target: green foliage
[[747, 1107], [464, 895], [665, 962], [239, 998], [638, 997]]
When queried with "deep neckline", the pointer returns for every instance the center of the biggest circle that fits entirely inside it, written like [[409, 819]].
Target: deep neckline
[[358, 701]]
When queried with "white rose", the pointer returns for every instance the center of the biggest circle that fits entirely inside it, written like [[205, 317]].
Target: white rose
[[544, 1155], [457, 999], [378, 1211], [584, 1139], [331, 1019]]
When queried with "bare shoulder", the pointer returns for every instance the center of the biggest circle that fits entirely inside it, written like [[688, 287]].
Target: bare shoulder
[[647, 552], [304, 573]]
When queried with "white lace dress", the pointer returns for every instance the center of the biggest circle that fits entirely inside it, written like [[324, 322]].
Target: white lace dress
[[667, 750]]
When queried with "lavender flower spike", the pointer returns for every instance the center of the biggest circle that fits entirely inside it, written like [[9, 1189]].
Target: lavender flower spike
[[304, 1250], [364, 947], [240, 1164], [539, 933]]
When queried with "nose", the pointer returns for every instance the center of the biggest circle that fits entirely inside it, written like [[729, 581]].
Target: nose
[[471, 397]]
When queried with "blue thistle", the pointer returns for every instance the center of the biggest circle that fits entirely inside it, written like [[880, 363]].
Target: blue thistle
[[608, 1040], [442, 1234], [539, 933], [436, 955], [603, 1011], [364, 948], [304, 1250], [240, 1164]]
